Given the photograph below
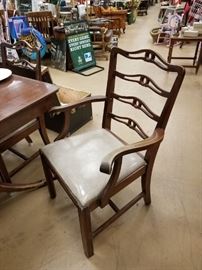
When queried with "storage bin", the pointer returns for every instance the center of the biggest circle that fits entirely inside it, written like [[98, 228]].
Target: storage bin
[[78, 116]]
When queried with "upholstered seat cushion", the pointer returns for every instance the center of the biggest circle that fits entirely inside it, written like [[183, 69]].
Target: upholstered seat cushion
[[77, 160]]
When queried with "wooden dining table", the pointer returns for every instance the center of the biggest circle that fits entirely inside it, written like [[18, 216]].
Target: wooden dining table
[[21, 101]]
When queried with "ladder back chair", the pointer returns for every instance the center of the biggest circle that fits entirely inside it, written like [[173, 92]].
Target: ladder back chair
[[95, 165]]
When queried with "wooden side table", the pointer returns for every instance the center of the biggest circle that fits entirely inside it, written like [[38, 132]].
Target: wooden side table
[[197, 58]]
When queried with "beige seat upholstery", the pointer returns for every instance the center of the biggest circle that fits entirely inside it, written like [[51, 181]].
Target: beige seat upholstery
[[87, 182], [94, 166]]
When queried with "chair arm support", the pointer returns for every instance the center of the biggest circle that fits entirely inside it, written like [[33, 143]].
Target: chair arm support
[[70, 106], [107, 162]]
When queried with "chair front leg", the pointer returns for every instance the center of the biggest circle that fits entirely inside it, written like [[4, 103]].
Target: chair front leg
[[86, 231], [49, 177], [146, 183], [146, 177]]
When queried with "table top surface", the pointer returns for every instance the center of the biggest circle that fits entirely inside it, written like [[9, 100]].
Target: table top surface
[[180, 37], [18, 93]]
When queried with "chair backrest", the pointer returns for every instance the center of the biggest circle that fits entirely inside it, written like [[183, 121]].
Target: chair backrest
[[163, 90], [42, 21], [14, 57]]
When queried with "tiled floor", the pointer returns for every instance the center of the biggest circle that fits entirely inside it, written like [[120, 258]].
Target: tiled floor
[[37, 233]]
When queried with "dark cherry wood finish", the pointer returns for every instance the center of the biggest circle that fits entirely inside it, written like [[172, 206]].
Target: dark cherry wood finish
[[23, 66], [23, 104], [113, 161]]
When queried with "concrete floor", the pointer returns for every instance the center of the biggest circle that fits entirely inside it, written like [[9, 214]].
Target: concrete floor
[[42, 234]]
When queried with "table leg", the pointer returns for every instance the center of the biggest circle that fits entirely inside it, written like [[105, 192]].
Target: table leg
[[170, 51], [196, 53], [199, 61]]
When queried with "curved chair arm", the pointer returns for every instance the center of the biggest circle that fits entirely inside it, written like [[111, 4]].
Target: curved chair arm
[[66, 109], [19, 44], [70, 106], [108, 161]]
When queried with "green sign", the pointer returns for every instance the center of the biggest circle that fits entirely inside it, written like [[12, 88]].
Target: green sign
[[81, 51]]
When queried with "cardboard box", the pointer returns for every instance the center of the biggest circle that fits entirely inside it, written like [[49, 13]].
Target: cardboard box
[[78, 117]]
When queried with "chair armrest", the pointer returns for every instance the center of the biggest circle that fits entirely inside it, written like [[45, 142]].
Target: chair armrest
[[107, 162], [66, 109], [70, 106]]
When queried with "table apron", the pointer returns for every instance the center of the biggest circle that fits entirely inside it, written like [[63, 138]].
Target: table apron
[[25, 115]]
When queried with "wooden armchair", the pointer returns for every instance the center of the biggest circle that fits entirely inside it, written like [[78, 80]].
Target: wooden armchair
[[95, 165], [20, 64]]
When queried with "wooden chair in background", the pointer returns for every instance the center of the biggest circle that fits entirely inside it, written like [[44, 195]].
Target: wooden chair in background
[[17, 61], [101, 38], [95, 165], [43, 21]]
